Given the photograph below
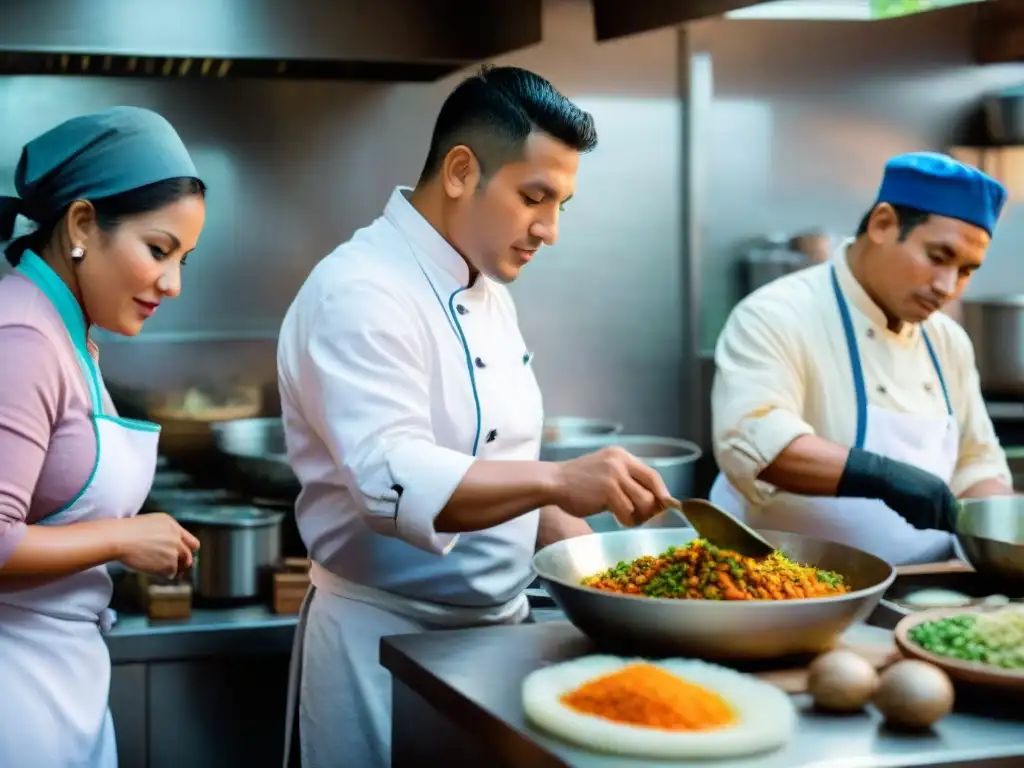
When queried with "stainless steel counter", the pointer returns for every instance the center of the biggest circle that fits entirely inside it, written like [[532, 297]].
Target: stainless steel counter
[[456, 697], [229, 631], [207, 692]]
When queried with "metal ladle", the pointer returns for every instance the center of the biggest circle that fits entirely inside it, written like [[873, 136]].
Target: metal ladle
[[716, 525]]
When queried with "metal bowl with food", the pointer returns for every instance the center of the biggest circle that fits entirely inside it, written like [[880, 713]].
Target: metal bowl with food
[[991, 533], [710, 629]]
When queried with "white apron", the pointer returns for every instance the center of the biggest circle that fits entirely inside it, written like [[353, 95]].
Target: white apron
[[928, 442], [337, 686], [56, 667]]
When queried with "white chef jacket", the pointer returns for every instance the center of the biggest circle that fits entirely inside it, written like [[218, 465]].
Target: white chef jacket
[[783, 370], [394, 376]]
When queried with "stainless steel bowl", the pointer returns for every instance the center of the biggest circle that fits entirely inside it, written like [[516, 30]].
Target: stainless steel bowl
[[991, 533], [256, 451], [674, 459], [748, 630]]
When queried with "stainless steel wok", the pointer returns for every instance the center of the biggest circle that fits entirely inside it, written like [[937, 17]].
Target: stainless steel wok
[[256, 450], [991, 533], [748, 630]]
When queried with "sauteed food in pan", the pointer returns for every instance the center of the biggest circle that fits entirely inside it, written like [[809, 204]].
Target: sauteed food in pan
[[702, 571]]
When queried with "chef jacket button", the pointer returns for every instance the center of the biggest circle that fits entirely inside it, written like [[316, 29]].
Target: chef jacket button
[[927, 386], [881, 389], [461, 309], [480, 363], [871, 333], [492, 436]]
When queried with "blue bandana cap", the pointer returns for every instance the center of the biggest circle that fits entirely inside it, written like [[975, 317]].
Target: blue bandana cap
[[940, 185], [89, 158]]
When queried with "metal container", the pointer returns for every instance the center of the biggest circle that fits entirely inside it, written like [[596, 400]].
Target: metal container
[[570, 427], [673, 458], [991, 534], [763, 266], [255, 450], [186, 419], [239, 547], [996, 328], [711, 629], [1004, 116]]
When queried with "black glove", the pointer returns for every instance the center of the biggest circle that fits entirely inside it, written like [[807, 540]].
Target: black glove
[[920, 497]]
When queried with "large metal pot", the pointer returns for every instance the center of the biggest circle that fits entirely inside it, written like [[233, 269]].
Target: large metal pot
[[712, 629], [239, 547], [991, 533], [673, 458], [996, 328]]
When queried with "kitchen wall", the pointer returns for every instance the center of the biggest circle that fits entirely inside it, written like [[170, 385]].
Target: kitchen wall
[[295, 167], [804, 116]]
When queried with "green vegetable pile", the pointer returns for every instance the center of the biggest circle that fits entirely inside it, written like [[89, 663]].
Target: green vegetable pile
[[961, 637]]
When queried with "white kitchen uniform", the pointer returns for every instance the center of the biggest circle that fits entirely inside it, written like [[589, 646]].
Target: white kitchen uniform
[[395, 375], [825, 363], [56, 667]]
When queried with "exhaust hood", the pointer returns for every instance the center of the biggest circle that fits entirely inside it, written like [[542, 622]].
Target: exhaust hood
[[394, 40], [614, 19]]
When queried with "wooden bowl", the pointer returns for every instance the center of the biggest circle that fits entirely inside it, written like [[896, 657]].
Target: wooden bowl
[[964, 671]]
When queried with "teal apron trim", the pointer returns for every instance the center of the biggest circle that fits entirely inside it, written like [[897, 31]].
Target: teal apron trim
[[40, 273], [135, 424]]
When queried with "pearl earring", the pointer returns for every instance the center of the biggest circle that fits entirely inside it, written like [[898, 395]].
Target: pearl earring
[[77, 253]]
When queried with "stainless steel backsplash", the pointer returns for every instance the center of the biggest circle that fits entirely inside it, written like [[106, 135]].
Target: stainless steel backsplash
[[295, 167]]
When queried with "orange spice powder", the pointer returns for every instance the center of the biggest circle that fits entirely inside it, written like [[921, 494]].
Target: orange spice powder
[[647, 696]]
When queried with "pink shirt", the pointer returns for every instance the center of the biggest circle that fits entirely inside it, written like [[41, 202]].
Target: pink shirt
[[47, 442]]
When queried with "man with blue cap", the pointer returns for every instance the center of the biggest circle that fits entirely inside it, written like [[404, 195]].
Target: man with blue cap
[[845, 406]]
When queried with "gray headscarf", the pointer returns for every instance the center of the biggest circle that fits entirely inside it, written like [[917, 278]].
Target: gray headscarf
[[88, 158]]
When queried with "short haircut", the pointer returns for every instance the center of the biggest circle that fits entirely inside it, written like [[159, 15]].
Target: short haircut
[[494, 112], [907, 218]]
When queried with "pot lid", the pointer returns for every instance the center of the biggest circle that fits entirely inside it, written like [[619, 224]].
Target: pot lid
[[229, 516]]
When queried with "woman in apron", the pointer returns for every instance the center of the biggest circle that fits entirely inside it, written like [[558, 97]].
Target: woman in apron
[[114, 205]]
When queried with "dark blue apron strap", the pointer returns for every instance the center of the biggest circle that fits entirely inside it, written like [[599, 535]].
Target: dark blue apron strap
[[938, 369], [860, 390]]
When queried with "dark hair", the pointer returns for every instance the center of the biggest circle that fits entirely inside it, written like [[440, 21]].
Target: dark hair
[[908, 219], [112, 210], [495, 111]]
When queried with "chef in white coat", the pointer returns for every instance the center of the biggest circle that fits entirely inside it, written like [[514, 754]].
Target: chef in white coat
[[844, 405], [413, 418]]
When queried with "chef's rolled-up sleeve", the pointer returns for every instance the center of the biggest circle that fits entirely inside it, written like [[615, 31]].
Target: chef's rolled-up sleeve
[[368, 366], [758, 392], [980, 455]]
